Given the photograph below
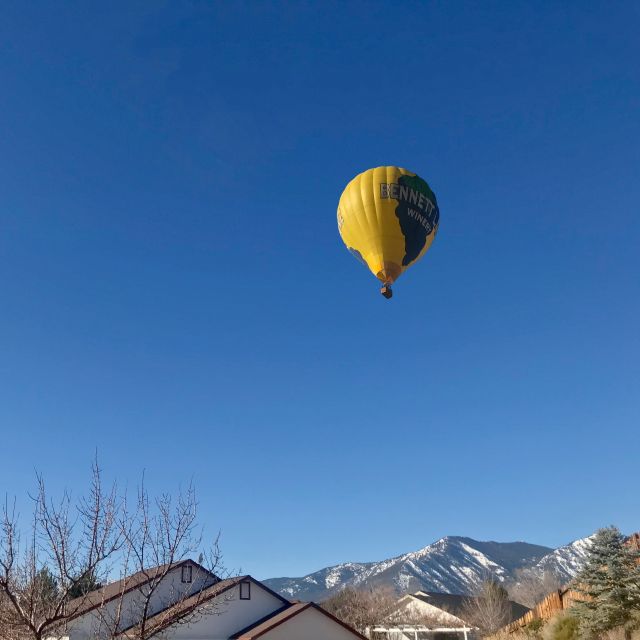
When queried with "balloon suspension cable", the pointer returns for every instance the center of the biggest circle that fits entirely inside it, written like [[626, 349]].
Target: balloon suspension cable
[[386, 291]]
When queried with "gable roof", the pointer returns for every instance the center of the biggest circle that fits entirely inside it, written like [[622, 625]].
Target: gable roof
[[94, 599], [283, 615], [455, 603], [180, 610], [449, 602]]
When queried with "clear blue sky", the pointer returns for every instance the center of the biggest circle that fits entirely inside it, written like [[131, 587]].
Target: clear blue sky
[[174, 291]]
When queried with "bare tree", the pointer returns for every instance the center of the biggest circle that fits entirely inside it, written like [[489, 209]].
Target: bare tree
[[10, 627], [530, 587], [158, 535], [66, 543], [490, 609], [48, 577], [362, 608]]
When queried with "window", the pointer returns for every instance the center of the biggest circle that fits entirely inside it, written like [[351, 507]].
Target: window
[[245, 590], [187, 573]]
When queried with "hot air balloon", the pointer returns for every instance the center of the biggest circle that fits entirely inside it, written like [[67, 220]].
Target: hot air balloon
[[388, 218]]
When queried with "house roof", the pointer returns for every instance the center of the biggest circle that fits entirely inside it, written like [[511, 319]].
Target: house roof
[[93, 599], [450, 602], [269, 622], [517, 610], [281, 616], [174, 613], [455, 603]]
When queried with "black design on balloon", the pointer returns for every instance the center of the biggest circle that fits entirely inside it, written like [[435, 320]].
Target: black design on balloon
[[416, 223]]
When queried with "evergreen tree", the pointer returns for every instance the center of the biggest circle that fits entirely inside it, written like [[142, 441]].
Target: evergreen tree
[[610, 581], [44, 587], [84, 584]]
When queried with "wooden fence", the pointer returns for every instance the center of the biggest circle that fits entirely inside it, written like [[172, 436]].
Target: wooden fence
[[556, 601]]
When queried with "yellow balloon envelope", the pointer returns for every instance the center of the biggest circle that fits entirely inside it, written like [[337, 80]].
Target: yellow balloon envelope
[[388, 218]]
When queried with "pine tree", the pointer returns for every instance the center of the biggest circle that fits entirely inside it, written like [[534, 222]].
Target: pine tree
[[610, 582], [44, 587], [86, 583]]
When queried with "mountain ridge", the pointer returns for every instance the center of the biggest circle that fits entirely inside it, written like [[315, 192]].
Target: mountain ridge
[[452, 564]]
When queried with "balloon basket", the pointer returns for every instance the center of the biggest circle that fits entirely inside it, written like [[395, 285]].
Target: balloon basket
[[386, 291]]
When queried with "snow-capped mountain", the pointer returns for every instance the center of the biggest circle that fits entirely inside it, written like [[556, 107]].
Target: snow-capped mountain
[[564, 562], [450, 565]]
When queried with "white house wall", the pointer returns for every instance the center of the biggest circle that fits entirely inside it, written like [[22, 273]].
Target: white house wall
[[170, 590], [229, 615], [310, 624]]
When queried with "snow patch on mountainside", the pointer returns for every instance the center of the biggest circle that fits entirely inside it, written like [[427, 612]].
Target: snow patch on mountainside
[[565, 562]]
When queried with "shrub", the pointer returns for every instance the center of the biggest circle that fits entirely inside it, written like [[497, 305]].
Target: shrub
[[535, 627], [563, 628]]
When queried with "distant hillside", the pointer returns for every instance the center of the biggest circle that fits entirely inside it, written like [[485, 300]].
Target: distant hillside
[[565, 562], [450, 565]]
